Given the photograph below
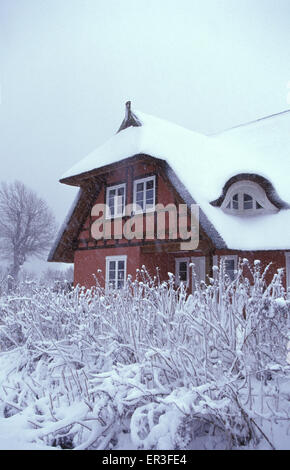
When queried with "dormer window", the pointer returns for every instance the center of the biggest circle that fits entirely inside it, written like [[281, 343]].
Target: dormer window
[[247, 198], [246, 202]]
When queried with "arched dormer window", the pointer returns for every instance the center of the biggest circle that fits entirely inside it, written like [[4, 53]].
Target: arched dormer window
[[247, 198], [243, 202]]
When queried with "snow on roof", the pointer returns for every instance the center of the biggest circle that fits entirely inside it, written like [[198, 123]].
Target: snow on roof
[[64, 226], [205, 163]]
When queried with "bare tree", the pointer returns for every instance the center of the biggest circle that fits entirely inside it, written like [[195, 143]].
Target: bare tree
[[27, 225]]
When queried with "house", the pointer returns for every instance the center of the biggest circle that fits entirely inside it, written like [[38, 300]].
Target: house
[[239, 179]]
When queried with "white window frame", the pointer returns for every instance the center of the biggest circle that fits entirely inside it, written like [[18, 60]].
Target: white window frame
[[287, 262], [199, 261], [144, 180], [115, 259], [177, 263], [230, 257], [108, 189], [255, 191]]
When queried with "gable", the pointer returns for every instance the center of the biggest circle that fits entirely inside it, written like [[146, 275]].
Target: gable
[[201, 166], [76, 234], [65, 243]]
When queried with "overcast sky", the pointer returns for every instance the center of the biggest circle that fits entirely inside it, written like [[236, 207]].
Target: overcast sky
[[68, 66]]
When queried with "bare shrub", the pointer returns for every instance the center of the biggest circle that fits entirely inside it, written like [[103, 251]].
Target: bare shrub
[[150, 360]]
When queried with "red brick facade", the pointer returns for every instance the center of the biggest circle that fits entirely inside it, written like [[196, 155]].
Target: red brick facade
[[90, 255]]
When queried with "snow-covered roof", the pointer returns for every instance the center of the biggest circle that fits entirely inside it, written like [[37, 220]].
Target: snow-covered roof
[[205, 163], [64, 226]]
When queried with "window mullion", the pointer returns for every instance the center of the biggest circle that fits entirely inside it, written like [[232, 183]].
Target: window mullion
[[240, 201]]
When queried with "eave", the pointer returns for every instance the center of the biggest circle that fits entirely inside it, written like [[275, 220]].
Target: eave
[[63, 250], [83, 178]]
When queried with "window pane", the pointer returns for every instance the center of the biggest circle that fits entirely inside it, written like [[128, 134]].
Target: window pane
[[182, 266], [149, 195], [150, 184], [121, 191], [230, 268], [140, 187], [140, 206], [140, 200], [111, 210], [120, 284], [120, 280], [183, 276], [258, 206], [119, 205], [110, 201], [183, 271], [236, 201], [112, 270], [248, 202], [119, 210], [121, 265], [120, 201]]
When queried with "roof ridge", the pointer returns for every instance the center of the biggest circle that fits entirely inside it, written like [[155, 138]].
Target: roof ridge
[[251, 122], [164, 121]]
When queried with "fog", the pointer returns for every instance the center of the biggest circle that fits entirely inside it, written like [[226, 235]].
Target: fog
[[67, 68]]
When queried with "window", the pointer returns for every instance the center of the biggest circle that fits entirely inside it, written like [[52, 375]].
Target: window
[[115, 200], [181, 270], [235, 201], [247, 198], [116, 271], [230, 264], [248, 202], [144, 195]]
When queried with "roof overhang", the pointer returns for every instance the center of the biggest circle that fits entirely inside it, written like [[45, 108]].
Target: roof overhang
[[97, 173]]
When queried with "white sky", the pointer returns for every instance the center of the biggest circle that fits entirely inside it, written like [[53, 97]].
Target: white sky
[[68, 66]]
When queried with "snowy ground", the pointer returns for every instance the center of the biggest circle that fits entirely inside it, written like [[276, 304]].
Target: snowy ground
[[147, 368]]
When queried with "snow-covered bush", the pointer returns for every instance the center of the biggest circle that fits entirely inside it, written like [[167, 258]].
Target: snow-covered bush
[[85, 368]]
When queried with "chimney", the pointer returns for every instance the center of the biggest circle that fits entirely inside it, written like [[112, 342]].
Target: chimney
[[128, 110], [130, 118]]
